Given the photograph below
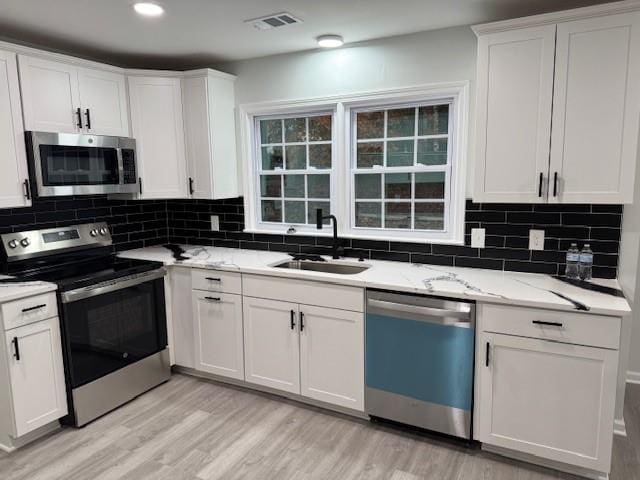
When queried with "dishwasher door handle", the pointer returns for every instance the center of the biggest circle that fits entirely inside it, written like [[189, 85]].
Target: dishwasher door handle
[[424, 314]]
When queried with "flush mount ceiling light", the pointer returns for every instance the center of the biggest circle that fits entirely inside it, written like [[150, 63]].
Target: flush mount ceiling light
[[148, 9], [330, 41]]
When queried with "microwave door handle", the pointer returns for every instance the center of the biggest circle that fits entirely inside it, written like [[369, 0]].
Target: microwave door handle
[[107, 287]]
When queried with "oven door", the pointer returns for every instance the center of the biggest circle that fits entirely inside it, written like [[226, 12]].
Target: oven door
[[74, 164], [108, 327]]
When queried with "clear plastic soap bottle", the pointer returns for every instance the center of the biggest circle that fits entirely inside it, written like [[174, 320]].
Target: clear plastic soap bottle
[[586, 262], [573, 262]]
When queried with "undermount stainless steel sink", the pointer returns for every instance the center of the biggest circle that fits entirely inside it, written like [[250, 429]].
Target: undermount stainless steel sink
[[327, 267]]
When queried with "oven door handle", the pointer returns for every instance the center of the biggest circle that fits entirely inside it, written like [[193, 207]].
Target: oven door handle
[[106, 287]]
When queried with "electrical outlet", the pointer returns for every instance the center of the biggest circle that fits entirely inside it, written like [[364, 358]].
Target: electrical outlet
[[215, 223], [477, 237], [536, 239]]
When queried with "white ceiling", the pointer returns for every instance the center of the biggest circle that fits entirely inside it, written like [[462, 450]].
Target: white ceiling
[[195, 33]]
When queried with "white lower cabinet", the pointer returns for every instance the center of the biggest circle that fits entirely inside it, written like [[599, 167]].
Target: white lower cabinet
[[36, 375], [272, 344], [218, 333]]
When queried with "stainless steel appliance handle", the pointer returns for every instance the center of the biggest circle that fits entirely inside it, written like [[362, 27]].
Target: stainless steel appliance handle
[[420, 311], [111, 286]]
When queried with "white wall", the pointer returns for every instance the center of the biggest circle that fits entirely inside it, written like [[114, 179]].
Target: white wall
[[408, 60]]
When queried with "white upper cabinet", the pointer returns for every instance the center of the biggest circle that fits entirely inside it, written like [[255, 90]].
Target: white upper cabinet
[[62, 98], [209, 117], [596, 107], [515, 91], [157, 126], [558, 106], [13, 161]]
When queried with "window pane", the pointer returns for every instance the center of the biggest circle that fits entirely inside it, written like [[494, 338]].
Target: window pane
[[401, 122], [433, 120], [430, 185], [318, 186], [397, 185], [400, 153], [320, 128], [370, 154], [429, 216], [271, 131], [320, 155], [296, 157], [370, 124], [397, 215], [295, 130], [313, 206], [369, 214], [294, 186], [271, 158], [368, 185], [270, 186], [294, 212], [432, 151], [271, 210]]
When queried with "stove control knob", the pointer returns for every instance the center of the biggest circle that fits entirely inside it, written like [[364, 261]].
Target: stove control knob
[[25, 242], [13, 243], [103, 231], [93, 233]]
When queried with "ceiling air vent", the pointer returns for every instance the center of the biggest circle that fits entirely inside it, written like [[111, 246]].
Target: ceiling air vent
[[274, 21]]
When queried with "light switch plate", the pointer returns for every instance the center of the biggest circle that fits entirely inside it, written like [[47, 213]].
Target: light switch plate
[[477, 237], [215, 223], [536, 239]]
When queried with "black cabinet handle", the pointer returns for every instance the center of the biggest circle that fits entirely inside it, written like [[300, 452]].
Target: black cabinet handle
[[27, 189], [140, 183], [191, 186], [555, 184], [88, 114], [213, 299], [540, 184], [486, 358], [301, 321], [293, 319], [213, 279], [550, 324], [30, 309], [79, 114], [16, 348]]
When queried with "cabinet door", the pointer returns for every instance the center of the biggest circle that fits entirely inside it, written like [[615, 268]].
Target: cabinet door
[[271, 344], [13, 160], [218, 333], [332, 356], [36, 375], [156, 124], [198, 137], [50, 95], [513, 127], [549, 399], [104, 95], [596, 106]]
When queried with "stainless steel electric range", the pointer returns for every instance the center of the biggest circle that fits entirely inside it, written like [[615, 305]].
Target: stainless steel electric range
[[112, 313]]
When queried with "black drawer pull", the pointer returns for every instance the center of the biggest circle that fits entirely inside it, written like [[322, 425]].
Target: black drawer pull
[[37, 307], [555, 184], [486, 355], [79, 114], [301, 321], [293, 319], [88, 114], [540, 185], [213, 279], [550, 324], [213, 299], [16, 348], [191, 190], [27, 189]]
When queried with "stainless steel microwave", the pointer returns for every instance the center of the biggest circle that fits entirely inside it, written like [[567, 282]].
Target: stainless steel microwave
[[76, 164]]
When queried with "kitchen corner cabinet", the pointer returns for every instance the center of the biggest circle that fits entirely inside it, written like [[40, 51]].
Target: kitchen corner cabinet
[[157, 125], [63, 98], [210, 136], [13, 159], [558, 106]]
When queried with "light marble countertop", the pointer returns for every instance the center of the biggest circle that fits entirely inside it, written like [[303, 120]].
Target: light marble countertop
[[511, 288], [13, 291]]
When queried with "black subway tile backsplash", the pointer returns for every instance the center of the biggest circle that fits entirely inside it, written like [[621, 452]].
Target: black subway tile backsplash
[[136, 224]]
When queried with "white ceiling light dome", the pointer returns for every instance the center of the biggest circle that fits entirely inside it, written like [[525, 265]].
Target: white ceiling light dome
[[330, 41], [148, 9]]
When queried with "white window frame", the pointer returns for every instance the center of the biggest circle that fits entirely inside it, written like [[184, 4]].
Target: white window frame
[[455, 93]]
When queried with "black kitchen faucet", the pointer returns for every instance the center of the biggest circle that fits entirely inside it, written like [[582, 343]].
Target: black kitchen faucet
[[338, 251]]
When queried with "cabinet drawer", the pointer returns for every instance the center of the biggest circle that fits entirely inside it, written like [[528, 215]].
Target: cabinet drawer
[[216, 281], [566, 327], [306, 292], [28, 310]]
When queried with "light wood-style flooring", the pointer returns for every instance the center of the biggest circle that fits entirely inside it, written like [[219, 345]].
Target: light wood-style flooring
[[190, 429]]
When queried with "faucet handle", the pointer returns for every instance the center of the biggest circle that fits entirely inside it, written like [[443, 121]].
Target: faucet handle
[[319, 218]]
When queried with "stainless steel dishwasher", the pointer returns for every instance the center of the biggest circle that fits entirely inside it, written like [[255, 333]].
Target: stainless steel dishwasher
[[420, 361]]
